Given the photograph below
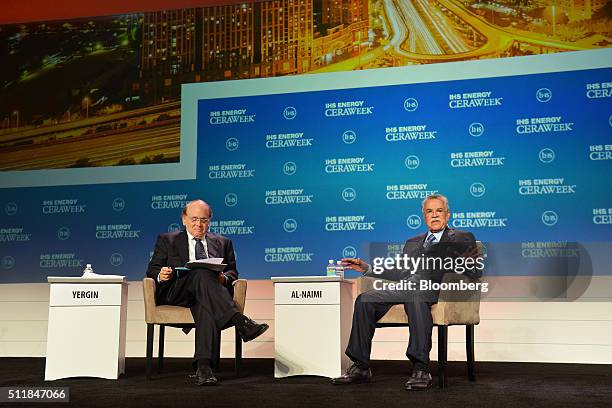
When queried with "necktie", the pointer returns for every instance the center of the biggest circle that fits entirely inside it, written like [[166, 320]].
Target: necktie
[[199, 249], [431, 240]]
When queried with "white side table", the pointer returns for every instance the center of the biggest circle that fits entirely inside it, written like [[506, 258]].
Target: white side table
[[312, 316], [87, 324]]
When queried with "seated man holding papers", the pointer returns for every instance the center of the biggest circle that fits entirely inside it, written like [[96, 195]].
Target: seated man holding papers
[[206, 290]]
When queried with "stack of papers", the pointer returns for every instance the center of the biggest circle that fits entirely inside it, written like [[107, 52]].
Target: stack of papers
[[209, 263]]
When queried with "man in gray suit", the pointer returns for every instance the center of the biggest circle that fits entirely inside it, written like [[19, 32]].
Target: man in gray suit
[[208, 294], [439, 241]]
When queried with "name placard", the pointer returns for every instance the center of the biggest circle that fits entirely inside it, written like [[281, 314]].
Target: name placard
[[307, 293], [85, 294]]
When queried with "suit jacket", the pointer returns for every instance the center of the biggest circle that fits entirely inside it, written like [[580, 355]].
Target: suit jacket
[[453, 244], [172, 249]]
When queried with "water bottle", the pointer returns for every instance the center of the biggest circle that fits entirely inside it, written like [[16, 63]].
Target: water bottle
[[331, 268], [88, 269], [340, 269]]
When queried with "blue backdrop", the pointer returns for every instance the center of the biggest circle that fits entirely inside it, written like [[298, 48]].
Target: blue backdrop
[[296, 179]]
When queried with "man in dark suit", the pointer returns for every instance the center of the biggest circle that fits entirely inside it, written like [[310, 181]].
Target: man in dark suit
[[208, 294], [439, 242]]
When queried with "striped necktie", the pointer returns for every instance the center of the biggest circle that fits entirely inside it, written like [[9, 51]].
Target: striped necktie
[[431, 240]]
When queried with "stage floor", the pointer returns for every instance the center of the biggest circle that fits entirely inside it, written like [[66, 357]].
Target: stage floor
[[498, 385]]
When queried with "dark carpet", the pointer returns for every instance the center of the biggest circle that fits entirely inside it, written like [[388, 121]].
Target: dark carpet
[[498, 385]]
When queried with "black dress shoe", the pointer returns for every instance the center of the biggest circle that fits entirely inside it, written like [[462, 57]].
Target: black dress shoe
[[249, 329], [192, 376], [353, 375], [204, 376], [418, 381]]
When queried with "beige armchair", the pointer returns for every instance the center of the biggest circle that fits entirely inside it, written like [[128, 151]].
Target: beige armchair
[[179, 317], [453, 308]]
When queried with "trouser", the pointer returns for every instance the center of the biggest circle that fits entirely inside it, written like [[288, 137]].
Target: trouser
[[370, 306], [211, 304]]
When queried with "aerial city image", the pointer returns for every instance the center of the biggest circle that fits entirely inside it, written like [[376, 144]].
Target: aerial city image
[[105, 91]]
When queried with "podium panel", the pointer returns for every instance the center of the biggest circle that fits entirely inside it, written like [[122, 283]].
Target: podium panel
[[312, 325], [87, 328]]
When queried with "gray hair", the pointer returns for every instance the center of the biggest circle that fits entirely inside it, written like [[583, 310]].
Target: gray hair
[[437, 197]]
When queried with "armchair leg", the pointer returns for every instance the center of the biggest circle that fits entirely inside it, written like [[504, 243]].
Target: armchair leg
[[149, 363], [160, 353], [469, 349], [442, 355], [238, 353]]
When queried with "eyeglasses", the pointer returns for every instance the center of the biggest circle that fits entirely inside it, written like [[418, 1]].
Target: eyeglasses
[[197, 220]]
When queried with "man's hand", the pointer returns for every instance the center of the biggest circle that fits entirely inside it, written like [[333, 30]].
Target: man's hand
[[355, 264], [222, 278], [165, 274]]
